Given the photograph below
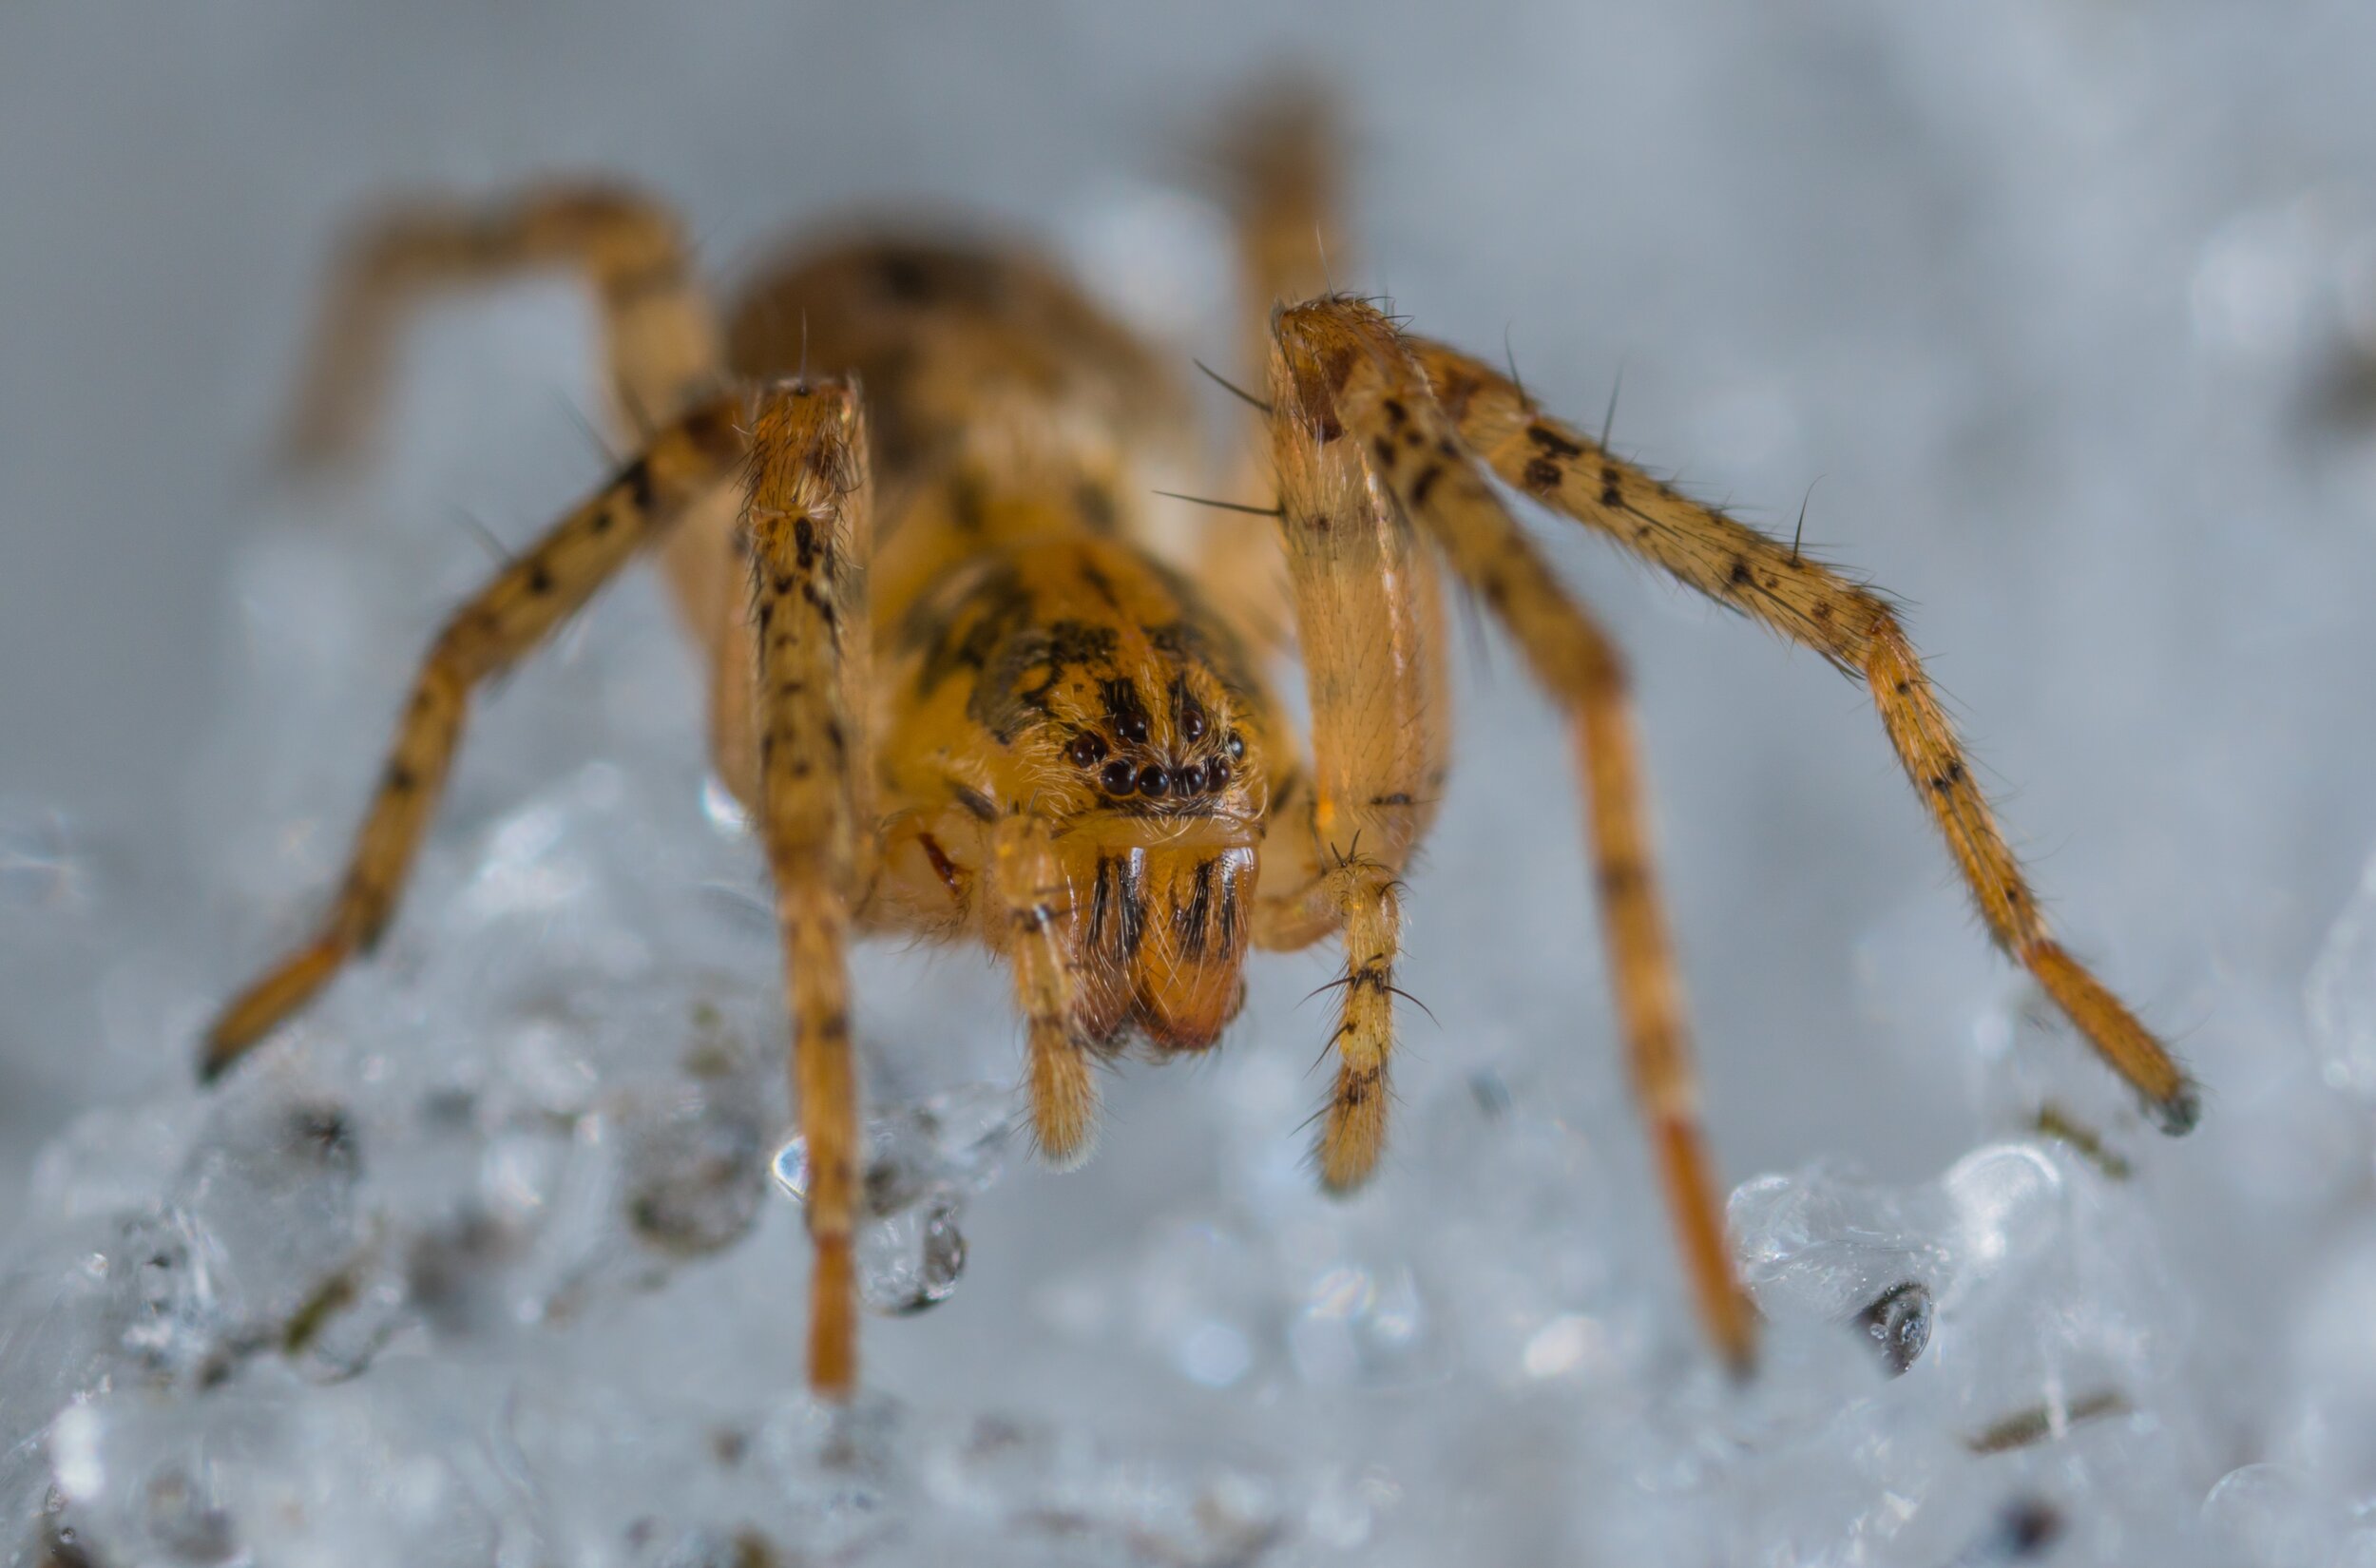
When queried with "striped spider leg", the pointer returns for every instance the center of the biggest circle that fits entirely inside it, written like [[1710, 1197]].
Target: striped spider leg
[[531, 596], [802, 455], [1855, 629], [1427, 424], [1354, 423], [660, 336]]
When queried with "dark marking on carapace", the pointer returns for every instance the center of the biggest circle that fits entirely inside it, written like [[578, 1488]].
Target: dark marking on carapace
[[968, 508], [905, 277], [1072, 644], [1098, 584], [966, 630], [1208, 644]]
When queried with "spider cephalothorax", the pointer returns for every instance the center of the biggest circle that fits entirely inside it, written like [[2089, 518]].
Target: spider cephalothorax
[[971, 684], [1072, 681]]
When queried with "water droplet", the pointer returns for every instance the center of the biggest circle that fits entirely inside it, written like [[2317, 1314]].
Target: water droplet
[[910, 1260], [2272, 1516], [1214, 1354], [924, 1160], [43, 866]]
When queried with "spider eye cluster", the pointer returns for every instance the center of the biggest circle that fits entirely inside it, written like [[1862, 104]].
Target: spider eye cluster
[[1155, 778]]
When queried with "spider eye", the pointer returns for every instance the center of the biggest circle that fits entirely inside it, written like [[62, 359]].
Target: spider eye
[[1117, 776], [1237, 744], [1153, 780], [1192, 724], [1190, 779], [1131, 725], [1216, 772], [1086, 750]]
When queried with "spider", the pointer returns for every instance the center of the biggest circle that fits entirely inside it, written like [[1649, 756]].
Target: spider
[[971, 678]]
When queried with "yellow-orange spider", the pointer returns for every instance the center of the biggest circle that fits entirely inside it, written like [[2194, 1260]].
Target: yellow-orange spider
[[964, 693]]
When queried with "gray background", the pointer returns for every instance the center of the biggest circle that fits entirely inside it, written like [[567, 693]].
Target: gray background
[[2067, 304], [1811, 233]]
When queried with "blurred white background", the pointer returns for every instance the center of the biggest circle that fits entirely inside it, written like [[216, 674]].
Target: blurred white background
[[2069, 305]]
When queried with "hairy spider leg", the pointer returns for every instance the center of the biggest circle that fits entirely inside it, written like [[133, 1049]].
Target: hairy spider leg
[[1036, 903], [661, 335], [1354, 381], [1855, 629], [518, 609], [806, 517], [1369, 626], [659, 331]]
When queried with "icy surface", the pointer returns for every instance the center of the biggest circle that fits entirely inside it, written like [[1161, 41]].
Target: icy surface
[[495, 1256]]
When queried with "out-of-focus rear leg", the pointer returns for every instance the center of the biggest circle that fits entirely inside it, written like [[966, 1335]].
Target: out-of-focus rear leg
[[1282, 163], [659, 331]]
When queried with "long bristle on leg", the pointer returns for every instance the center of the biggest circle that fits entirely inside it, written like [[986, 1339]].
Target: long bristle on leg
[[1352, 1129]]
